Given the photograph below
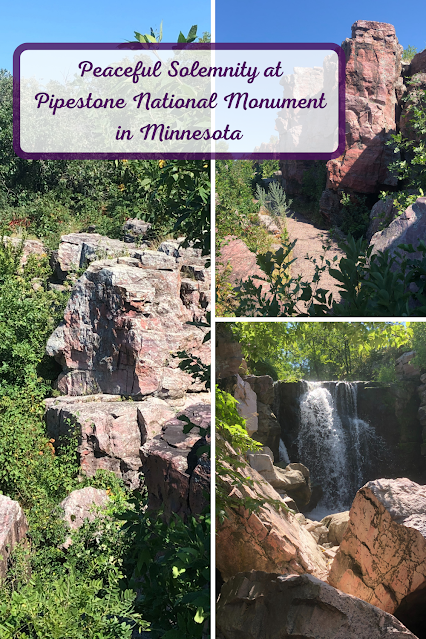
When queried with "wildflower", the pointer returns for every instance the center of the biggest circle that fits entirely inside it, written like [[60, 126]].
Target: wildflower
[[121, 187], [161, 163]]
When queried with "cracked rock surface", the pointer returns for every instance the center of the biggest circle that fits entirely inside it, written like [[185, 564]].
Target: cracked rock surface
[[382, 557]]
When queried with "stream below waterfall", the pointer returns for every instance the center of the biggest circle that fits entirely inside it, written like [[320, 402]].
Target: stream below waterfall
[[336, 445]]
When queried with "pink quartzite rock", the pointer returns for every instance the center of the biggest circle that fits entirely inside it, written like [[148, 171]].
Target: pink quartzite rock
[[260, 605], [418, 63], [13, 528], [82, 504], [382, 557], [29, 247], [174, 475], [373, 65], [241, 260], [123, 322], [264, 540], [408, 228], [111, 431]]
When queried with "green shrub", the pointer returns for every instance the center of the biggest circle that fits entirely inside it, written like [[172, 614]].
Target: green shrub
[[314, 181], [168, 564], [356, 215], [68, 607], [370, 285], [409, 53]]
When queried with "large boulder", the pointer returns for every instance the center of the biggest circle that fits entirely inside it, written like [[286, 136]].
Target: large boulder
[[82, 505], [382, 557], [110, 431], [408, 228], [123, 324], [268, 429], [336, 525], [260, 605], [267, 539], [263, 386], [29, 247], [13, 528], [289, 481], [373, 66], [177, 479], [405, 369], [77, 250]]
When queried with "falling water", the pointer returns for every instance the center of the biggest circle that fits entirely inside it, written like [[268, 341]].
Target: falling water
[[283, 454], [336, 446]]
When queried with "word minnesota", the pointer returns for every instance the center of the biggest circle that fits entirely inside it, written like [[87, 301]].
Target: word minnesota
[[234, 99], [166, 133]]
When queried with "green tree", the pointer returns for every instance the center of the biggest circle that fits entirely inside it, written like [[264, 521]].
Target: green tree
[[320, 350]]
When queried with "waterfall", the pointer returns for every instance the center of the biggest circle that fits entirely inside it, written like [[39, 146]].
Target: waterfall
[[283, 454], [336, 446]]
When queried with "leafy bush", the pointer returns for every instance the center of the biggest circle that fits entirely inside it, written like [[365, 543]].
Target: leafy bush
[[409, 53], [68, 608], [236, 212], [356, 215], [314, 180], [370, 285], [168, 564], [411, 167]]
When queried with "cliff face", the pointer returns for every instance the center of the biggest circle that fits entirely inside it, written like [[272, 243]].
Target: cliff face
[[376, 81], [373, 73]]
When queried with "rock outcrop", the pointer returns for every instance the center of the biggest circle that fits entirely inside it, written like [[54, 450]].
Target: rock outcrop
[[260, 605], [373, 66], [377, 80], [408, 228], [292, 480], [382, 557], [336, 525], [81, 505], [125, 319], [29, 247], [110, 431], [267, 539], [13, 528], [176, 478]]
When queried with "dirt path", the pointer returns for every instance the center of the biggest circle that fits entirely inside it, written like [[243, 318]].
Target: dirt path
[[310, 241]]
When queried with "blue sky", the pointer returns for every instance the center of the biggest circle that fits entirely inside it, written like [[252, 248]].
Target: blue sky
[[95, 21], [236, 21], [316, 21]]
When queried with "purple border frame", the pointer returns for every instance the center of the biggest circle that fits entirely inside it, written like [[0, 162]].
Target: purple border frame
[[52, 46]]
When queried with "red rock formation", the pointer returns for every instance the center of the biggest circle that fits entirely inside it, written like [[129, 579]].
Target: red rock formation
[[373, 65], [382, 557], [176, 479], [124, 320], [264, 540], [13, 528]]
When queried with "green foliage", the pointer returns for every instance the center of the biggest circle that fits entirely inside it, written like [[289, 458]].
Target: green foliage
[[236, 211], [356, 215], [370, 284], [318, 350], [410, 168], [68, 608], [28, 314], [52, 197], [168, 564], [409, 53], [269, 167], [280, 204], [234, 485], [314, 180], [419, 343]]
